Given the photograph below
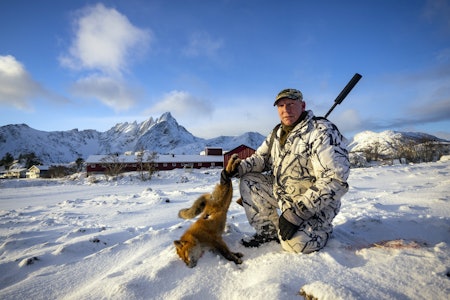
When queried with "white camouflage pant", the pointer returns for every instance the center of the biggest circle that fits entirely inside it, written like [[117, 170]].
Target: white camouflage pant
[[262, 213]]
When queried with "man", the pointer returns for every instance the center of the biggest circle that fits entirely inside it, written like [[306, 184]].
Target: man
[[301, 171]]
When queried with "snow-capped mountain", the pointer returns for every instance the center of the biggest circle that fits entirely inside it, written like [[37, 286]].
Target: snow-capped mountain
[[388, 142], [163, 135]]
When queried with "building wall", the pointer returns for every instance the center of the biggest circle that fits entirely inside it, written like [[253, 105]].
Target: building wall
[[101, 167], [242, 151], [213, 151]]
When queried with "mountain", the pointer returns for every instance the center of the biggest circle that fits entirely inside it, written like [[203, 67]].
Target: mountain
[[387, 142], [386, 146], [163, 135]]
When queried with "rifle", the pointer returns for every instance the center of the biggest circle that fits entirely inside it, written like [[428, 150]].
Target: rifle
[[350, 85]]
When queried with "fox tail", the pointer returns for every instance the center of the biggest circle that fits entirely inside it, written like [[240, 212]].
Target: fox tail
[[196, 208]]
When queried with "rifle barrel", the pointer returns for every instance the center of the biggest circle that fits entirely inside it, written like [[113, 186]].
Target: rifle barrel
[[350, 85]]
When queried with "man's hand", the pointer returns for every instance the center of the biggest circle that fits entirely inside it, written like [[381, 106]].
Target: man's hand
[[225, 177], [287, 229]]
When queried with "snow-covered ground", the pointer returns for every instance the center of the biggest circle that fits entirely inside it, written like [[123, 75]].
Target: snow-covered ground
[[79, 239]]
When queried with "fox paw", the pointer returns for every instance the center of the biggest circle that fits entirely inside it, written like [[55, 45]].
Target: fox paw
[[237, 257]]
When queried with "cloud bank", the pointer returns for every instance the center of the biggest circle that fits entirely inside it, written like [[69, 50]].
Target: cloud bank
[[104, 46], [17, 86]]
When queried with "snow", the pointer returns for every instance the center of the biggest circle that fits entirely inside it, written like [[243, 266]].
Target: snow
[[98, 238]]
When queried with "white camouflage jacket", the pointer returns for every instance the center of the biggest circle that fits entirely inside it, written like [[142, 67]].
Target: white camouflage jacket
[[310, 172]]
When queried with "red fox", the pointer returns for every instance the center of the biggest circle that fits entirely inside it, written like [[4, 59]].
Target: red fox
[[207, 231]]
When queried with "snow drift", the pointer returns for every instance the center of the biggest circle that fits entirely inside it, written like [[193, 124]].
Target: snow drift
[[113, 239]]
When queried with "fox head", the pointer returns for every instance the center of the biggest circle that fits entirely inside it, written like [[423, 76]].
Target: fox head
[[188, 251]]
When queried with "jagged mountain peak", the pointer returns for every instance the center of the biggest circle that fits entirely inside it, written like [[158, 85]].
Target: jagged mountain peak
[[161, 135], [166, 117]]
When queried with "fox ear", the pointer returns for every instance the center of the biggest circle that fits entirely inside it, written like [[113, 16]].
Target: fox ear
[[179, 243]]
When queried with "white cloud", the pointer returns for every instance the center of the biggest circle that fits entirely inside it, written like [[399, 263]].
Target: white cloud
[[111, 92], [105, 41], [348, 121], [105, 45], [235, 116], [182, 104], [17, 87]]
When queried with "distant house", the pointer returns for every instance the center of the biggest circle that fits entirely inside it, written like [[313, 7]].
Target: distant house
[[242, 151], [37, 171], [213, 151], [16, 173], [98, 163]]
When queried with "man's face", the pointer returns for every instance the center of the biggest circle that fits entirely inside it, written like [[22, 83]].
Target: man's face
[[290, 110]]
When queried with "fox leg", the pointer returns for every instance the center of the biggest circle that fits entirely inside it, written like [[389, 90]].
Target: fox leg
[[220, 246]]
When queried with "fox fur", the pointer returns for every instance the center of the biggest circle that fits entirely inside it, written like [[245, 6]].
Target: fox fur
[[207, 231]]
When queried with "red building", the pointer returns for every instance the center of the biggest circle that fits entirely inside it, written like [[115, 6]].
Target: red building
[[242, 151], [129, 163]]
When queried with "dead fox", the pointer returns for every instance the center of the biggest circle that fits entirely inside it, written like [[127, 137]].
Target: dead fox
[[207, 231]]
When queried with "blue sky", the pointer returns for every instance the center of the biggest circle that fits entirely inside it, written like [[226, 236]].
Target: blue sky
[[217, 65]]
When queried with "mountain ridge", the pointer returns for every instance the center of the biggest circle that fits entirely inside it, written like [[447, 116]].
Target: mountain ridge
[[162, 135]]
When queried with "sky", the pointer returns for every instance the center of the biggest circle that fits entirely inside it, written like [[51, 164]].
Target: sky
[[217, 66]]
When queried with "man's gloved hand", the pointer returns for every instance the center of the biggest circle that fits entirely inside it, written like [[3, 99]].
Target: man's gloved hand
[[287, 229], [225, 177]]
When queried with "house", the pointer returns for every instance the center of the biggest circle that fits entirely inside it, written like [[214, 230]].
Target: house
[[130, 162], [213, 151], [16, 172], [242, 151], [37, 171]]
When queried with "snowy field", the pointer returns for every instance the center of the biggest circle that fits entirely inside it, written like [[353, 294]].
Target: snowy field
[[76, 239]]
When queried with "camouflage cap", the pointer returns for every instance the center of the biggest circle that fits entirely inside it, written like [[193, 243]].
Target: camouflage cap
[[292, 94]]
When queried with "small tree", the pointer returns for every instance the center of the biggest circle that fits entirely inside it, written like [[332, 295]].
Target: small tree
[[29, 159], [146, 165], [58, 171], [373, 152], [428, 149], [79, 162], [150, 164], [113, 164], [7, 160]]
